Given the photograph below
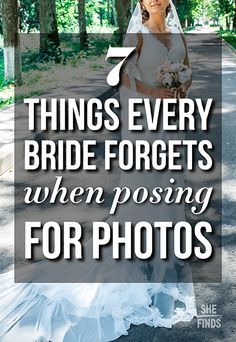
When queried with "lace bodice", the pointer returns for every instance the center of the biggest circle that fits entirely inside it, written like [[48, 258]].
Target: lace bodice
[[153, 53]]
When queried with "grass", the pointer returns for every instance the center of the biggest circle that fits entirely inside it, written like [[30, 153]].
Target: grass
[[189, 29], [229, 37], [101, 29], [6, 90], [42, 74]]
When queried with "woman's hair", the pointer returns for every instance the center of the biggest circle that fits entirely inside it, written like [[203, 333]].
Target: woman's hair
[[145, 13]]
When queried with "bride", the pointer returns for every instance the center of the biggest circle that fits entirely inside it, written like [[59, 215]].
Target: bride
[[102, 312]]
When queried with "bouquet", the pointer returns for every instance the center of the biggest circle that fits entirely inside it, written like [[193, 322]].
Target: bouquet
[[173, 75]]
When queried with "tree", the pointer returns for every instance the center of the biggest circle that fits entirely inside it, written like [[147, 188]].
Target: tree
[[49, 37], [227, 8], [234, 21], [114, 12], [99, 10], [109, 12], [82, 24], [187, 11], [29, 15], [10, 27], [1, 17], [123, 9], [67, 16]]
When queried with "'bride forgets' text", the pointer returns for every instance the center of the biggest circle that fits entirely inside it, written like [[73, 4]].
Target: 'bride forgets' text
[[175, 153]]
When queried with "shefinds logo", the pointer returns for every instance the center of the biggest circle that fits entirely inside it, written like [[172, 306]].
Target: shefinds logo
[[208, 318]]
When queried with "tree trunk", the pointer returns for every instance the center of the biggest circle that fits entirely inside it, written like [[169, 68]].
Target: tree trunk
[[49, 37], [186, 23], [123, 8], [227, 22], [10, 26], [108, 12], [234, 21], [101, 17], [1, 17], [82, 24], [114, 12]]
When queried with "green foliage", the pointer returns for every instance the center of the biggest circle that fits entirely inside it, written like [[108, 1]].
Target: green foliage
[[226, 7], [6, 102], [96, 12], [29, 15], [67, 15], [3, 85], [194, 10], [187, 10], [34, 60], [69, 53], [206, 9], [229, 37], [227, 11], [100, 17], [102, 13], [99, 44], [36, 67]]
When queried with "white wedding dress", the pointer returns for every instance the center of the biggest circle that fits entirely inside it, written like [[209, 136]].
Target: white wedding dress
[[100, 312]]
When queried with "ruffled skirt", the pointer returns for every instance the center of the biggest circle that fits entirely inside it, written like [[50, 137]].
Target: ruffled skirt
[[95, 312]]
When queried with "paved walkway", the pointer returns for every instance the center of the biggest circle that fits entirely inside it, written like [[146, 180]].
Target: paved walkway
[[93, 85], [221, 294], [85, 90]]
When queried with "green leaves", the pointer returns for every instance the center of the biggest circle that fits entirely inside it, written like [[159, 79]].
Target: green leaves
[[67, 15]]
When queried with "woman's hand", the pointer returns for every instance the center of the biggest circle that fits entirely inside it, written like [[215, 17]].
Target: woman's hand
[[184, 88], [181, 92], [162, 93]]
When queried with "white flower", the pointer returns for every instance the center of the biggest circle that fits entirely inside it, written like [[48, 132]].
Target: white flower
[[184, 76], [167, 79], [166, 67], [171, 74], [176, 67]]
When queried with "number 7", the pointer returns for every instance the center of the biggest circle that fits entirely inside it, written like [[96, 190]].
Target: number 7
[[113, 77]]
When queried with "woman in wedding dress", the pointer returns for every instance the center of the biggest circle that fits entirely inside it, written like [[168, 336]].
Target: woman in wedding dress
[[102, 312]]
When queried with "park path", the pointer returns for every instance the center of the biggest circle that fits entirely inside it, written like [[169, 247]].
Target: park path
[[221, 294], [85, 89]]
